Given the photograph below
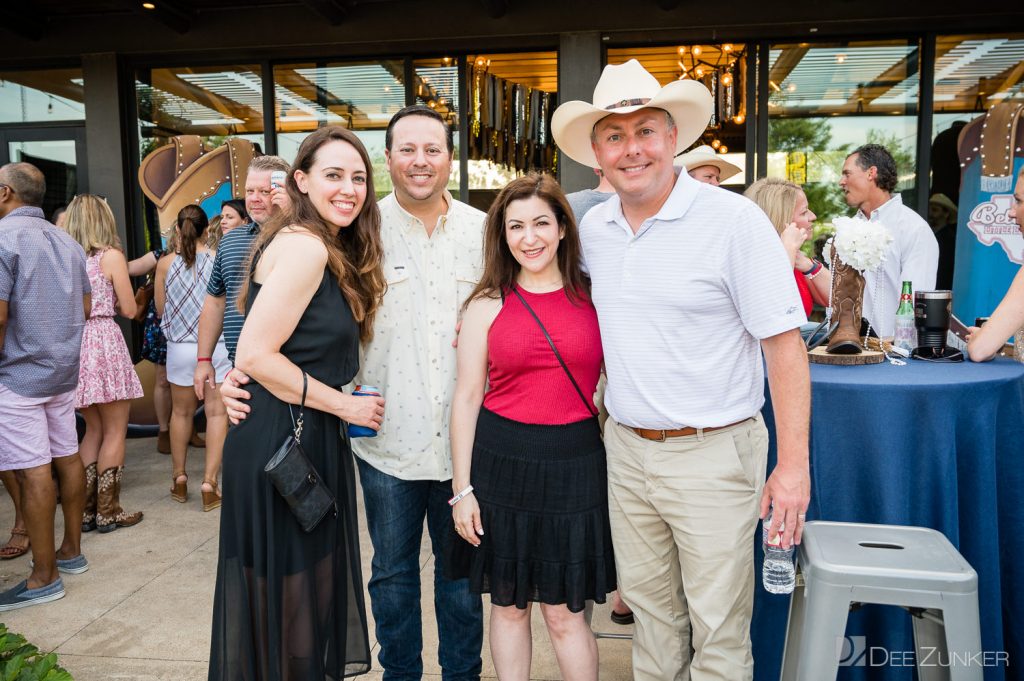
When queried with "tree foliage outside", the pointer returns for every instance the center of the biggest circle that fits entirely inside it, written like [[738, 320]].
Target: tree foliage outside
[[813, 137]]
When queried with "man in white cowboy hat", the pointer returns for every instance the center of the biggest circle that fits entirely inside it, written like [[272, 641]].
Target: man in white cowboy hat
[[705, 165], [691, 285]]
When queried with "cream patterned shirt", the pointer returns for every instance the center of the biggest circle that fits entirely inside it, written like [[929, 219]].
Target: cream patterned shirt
[[411, 358]]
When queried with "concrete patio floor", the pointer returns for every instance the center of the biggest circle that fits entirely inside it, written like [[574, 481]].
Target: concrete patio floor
[[142, 611]]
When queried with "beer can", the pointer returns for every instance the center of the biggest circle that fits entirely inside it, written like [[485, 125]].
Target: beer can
[[278, 178], [363, 431]]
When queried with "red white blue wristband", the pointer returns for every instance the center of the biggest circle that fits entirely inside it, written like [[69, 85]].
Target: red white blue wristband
[[460, 496]]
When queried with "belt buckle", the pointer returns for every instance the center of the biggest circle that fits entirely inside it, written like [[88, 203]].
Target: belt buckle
[[662, 438]]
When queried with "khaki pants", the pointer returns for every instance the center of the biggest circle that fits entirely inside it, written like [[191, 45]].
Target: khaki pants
[[683, 514]]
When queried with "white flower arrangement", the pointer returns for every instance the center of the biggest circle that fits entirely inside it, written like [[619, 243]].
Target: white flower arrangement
[[861, 244]]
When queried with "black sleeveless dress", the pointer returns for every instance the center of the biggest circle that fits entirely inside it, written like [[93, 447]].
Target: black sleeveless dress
[[289, 605]]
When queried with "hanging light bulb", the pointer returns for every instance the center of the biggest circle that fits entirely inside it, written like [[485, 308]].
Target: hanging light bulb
[[715, 144], [682, 51], [738, 119], [699, 72], [727, 47], [727, 79], [697, 50], [723, 149]]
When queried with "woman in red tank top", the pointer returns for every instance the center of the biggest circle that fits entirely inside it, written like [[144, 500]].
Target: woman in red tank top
[[786, 206], [530, 505]]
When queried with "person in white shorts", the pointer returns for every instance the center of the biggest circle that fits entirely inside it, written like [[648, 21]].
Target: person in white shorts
[[179, 291]]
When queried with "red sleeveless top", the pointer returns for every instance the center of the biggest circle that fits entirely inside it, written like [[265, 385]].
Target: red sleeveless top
[[527, 383], [805, 291]]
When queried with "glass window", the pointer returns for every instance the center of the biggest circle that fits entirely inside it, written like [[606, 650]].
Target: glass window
[[825, 99], [213, 102], [437, 86], [362, 96], [722, 68], [511, 97], [41, 96]]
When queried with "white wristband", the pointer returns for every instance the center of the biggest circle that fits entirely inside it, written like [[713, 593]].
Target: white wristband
[[458, 497]]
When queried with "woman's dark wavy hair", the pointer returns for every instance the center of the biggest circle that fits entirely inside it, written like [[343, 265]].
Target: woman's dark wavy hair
[[191, 223], [355, 254], [500, 266]]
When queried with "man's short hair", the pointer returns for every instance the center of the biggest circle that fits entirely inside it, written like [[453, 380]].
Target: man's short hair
[[27, 181], [269, 162], [420, 110], [876, 155], [669, 121]]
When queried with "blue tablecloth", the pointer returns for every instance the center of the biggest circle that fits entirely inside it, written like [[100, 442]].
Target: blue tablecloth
[[933, 445]]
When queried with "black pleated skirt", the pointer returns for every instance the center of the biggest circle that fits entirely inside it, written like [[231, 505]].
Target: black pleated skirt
[[543, 495]]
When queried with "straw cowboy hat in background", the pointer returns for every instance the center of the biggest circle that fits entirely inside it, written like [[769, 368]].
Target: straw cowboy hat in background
[[707, 156], [623, 89]]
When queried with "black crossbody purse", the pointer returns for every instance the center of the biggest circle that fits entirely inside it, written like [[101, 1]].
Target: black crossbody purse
[[589, 403], [295, 478]]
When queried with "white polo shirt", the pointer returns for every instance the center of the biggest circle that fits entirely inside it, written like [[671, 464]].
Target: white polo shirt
[[683, 304], [411, 358], [912, 256]]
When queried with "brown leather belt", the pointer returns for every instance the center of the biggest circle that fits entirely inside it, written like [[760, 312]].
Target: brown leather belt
[[662, 435]]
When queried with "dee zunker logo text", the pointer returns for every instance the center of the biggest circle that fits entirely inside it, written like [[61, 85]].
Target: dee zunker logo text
[[853, 651]]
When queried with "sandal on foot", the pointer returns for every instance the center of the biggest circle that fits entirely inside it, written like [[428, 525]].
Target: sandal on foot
[[211, 499], [179, 490], [10, 551]]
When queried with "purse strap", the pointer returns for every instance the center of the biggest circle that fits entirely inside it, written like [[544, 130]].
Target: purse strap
[[547, 336], [297, 422]]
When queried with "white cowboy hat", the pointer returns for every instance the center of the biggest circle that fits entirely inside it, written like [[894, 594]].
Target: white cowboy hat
[[623, 89], [707, 156]]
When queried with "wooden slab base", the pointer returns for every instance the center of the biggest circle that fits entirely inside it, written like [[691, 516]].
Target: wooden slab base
[[820, 356]]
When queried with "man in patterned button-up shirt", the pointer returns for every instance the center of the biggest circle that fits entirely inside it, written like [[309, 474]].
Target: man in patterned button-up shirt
[[44, 302]]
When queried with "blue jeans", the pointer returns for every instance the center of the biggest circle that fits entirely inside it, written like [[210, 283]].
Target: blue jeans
[[394, 516]]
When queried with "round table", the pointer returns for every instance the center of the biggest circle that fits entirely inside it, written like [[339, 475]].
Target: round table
[[929, 444]]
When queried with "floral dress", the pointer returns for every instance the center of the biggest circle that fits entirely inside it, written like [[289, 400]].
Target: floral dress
[[106, 373]]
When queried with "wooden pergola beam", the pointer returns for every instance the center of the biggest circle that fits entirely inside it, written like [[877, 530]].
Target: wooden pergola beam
[[495, 8], [334, 11], [175, 17], [24, 21]]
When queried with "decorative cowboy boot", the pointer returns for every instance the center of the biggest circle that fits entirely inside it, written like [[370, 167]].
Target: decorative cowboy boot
[[122, 517], [847, 307], [89, 514], [105, 501]]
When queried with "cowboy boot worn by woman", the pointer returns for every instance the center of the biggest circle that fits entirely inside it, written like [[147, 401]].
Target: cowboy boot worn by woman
[[109, 514], [847, 307], [89, 514]]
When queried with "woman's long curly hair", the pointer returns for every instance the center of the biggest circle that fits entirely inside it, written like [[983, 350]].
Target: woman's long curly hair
[[355, 254], [500, 266]]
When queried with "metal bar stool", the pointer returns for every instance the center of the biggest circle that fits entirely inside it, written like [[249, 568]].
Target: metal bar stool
[[914, 567], [588, 614]]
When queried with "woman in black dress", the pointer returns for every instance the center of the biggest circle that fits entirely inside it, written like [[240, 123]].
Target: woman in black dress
[[289, 604]]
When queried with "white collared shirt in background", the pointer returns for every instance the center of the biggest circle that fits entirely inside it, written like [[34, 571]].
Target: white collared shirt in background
[[411, 358], [912, 256], [684, 303]]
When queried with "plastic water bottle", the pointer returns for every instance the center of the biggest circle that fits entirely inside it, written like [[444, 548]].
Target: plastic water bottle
[[779, 574]]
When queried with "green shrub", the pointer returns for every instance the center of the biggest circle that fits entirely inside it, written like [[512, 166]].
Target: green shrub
[[22, 661]]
